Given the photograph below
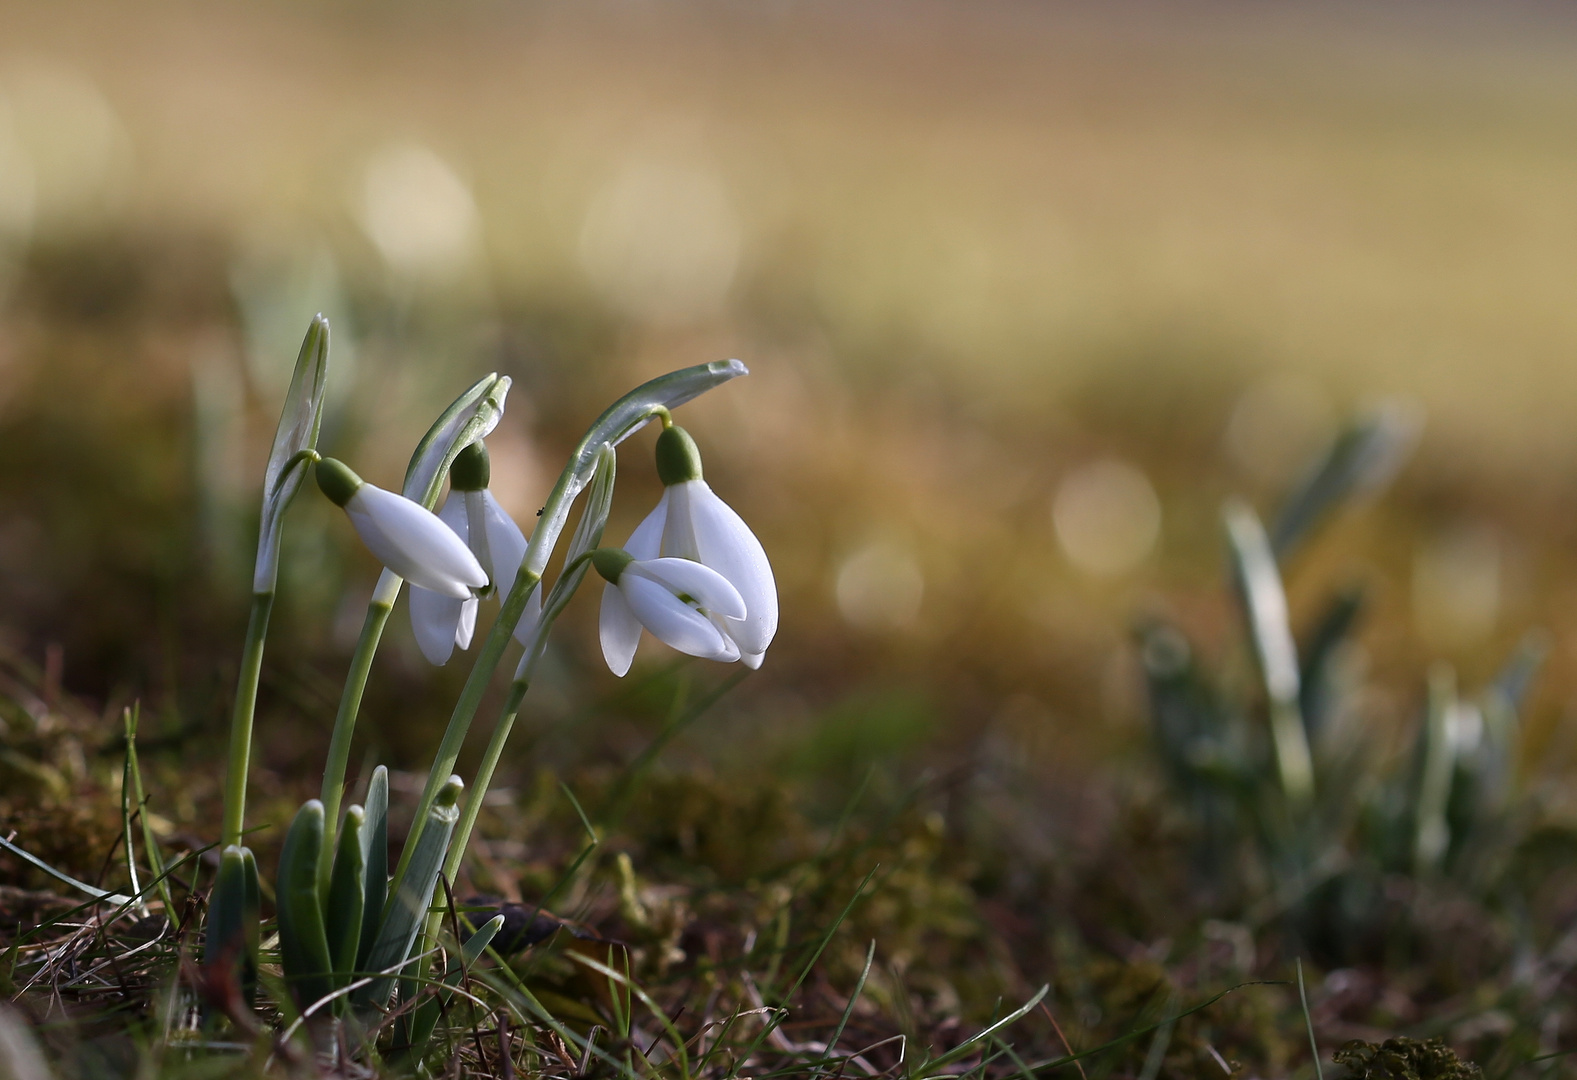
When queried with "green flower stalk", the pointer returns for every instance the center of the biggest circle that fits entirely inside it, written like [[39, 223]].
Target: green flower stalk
[[621, 420]]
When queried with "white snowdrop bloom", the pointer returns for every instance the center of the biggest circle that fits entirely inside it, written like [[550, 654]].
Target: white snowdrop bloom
[[441, 622], [405, 536], [684, 604], [691, 522]]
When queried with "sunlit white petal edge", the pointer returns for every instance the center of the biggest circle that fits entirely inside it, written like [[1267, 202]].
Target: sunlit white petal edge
[[414, 543]]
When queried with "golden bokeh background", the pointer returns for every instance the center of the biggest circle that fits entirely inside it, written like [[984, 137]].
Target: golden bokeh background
[[1026, 290]]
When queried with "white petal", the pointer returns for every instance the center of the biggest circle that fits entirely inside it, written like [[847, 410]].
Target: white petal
[[702, 584], [619, 629], [434, 619], [722, 626], [671, 620], [411, 540], [467, 625], [752, 660], [452, 513], [679, 530], [646, 541], [725, 543], [526, 628], [505, 542]]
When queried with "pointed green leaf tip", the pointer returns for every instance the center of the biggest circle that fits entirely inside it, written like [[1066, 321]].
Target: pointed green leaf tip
[[610, 563], [471, 471], [678, 458], [336, 480]]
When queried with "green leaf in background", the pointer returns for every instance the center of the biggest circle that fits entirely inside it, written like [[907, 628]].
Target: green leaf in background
[[297, 433], [375, 862], [1264, 603], [407, 908], [303, 941], [1363, 458], [1319, 694], [347, 895]]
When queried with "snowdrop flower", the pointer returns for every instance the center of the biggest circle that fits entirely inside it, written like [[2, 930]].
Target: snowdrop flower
[[405, 536], [683, 603], [691, 522], [441, 622]]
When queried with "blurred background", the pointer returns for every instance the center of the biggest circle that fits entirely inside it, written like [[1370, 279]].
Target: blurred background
[[1026, 290]]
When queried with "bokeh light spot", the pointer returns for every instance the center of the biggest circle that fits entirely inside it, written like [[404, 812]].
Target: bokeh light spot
[[1107, 517]]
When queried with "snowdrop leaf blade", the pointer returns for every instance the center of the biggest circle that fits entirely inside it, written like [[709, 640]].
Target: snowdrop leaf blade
[[375, 843], [414, 542], [408, 908], [618, 422], [672, 621], [299, 422], [1363, 458], [303, 941], [619, 630], [347, 895], [471, 416], [701, 583], [725, 543]]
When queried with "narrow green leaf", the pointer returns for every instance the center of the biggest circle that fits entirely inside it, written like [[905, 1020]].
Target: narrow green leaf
[[587, 536], [472, 416], [347, 895], [1436, 766], [375, 858], [426, 1018], [296, 434], [303, 942], [224, 934], [407, 908], [621, 420], [1360, 460], [1264, 602]]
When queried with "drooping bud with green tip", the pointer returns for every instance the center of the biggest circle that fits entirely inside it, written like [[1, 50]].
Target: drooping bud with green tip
[[678, 458]]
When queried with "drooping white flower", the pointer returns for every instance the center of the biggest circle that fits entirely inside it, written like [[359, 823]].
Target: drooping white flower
[[684, 604], [405, 536], [441, 622], [691, 522]]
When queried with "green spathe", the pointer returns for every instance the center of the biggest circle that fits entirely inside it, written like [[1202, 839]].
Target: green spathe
[[337, 481], [610, 563], [678, 458], [471, 470]]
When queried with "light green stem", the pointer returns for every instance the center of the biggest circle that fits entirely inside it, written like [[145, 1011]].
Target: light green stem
[[476, 793], [471, 695], [484, 776], [241, 718], [382, 603]]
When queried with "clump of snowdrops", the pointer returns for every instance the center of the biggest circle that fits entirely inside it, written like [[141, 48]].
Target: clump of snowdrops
[[356, 938]]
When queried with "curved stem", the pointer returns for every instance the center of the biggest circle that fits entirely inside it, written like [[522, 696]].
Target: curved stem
[[241, 718], [383, 596]]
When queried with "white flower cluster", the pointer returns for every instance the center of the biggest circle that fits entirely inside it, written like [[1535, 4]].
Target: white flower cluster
[[692, 573]]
